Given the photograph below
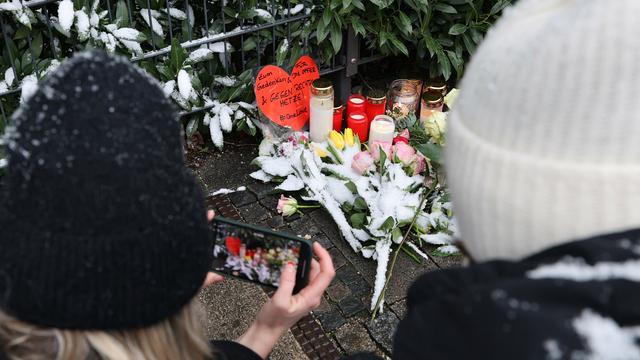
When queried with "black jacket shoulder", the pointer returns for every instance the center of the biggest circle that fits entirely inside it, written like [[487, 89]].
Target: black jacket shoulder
[[530, 309]]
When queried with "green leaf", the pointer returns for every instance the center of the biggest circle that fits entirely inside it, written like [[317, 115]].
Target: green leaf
[[326, 17], [399, 45], [457, 29], [388, 224], [36, 45], [321, 32], [432, 151], [383, 159], [396, 235], [358, 4], [445, 65], [357, 220], [445, 8], [192, 126], [122, 14], [456, 62], [358, 27], [336, 38], [177, 55], [404, 23], [351, 186], [360, 204], [498, 6]]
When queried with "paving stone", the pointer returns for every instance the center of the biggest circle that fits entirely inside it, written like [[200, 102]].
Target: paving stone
[[270, 202], [305, 226], [400, 308], [353, 338], [337, 257], [348, 274], [275, 222], [241, 198], [360, 288], [254, 213], [259, 188], [383, 328], [351, 305], [329, 316], [338, 291], [325, 242]]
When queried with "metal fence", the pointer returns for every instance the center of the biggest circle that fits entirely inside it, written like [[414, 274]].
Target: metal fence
[[343, 66]]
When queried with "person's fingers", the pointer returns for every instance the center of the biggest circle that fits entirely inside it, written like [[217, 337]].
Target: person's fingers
[[287, 283], [210, 215], [211, 279], [317, 286], [315, 270]]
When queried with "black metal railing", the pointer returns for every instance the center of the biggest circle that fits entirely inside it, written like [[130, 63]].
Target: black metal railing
[[346, 61]]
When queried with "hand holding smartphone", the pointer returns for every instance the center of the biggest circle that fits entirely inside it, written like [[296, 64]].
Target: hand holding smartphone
[[258, 254]]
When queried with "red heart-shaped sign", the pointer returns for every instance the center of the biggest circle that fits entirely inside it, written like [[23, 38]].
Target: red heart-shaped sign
[[284, 98]]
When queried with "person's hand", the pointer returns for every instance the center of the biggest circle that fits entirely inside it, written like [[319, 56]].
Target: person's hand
[[284, 309], [212, 277]]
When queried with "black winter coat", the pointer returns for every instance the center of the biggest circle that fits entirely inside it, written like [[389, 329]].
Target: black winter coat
[[580, 300]]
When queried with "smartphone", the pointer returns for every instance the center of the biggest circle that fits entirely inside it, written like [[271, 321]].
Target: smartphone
[[257, 254]]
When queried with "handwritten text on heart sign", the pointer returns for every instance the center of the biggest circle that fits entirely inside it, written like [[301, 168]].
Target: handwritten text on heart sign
[[284, 99]]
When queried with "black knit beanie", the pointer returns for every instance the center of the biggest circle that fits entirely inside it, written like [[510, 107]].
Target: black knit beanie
[[102, 226]]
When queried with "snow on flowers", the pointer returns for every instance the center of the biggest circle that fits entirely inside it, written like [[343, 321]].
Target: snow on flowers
[[374, 194]]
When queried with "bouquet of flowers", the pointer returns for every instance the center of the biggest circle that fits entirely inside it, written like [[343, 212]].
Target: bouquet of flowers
[[382, 197]]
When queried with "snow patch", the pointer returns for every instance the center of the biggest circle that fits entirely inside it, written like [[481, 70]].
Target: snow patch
[[66, 14], [224, 191], [578, 270], [261, 176], [184, 84], [291, 183], [605, 339]]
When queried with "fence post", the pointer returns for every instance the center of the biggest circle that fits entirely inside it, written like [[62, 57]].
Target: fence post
[[351, 62]]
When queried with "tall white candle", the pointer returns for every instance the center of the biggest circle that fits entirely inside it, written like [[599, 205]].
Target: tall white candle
[[321, 110], [382, 129]]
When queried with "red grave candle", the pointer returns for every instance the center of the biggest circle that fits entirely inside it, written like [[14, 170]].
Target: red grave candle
[[358, 122], [376, 103], [356, 103], [338, 111]]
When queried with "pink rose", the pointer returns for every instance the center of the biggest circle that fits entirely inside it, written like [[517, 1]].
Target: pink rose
[[362, 161], [418, 165], [287, 206], [375, 149], [404, 153]]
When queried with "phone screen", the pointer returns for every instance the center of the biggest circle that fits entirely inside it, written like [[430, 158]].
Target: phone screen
[[252, 254]]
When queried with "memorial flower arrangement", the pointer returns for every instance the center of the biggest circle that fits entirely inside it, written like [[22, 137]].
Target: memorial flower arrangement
[[384, 197]]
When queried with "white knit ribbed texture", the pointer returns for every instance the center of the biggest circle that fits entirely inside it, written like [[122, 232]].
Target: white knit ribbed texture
[[544, 141]]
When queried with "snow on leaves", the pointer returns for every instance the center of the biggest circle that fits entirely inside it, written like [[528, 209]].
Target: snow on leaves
[[368, 209]]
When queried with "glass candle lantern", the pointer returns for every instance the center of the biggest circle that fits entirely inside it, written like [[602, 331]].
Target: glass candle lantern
[[403, 97], [376, 104], [338, 111], [321, 110], [358, 122], [431, 102], [382, 129], [356, 103], [437, 86]]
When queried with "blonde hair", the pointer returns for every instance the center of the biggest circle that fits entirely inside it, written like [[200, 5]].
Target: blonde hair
[[178, 337]]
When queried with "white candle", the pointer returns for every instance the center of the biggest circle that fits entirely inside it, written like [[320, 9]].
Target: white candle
[[320, 110], [382, 129], [356, 100]]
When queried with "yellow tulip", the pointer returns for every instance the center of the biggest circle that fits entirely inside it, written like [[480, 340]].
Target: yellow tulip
[[336, 139], [320, 151], [348, 137]]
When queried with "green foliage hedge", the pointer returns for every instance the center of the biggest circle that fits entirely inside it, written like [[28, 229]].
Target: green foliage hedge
[[440, 34]]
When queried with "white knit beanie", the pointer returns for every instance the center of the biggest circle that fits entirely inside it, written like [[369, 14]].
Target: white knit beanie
[[544, 141]]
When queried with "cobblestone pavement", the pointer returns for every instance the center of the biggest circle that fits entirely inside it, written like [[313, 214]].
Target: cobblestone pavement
[[344, 316]]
